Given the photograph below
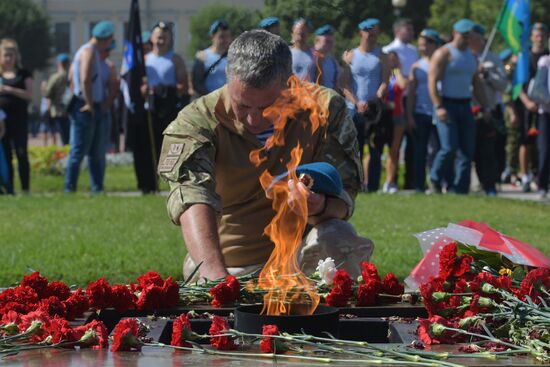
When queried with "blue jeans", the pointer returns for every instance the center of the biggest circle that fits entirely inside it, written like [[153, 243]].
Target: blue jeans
[[88, 137], [457, 136], [422, 133]]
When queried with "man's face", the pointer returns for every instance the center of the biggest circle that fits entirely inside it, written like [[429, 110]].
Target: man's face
[[104, 43], [161, 37], [371, 35], [248, 103], [275, 29], [462, 39], [476, 41], [538, 36], [324, 43], [405, 33], [300, 32], [426, 46], [221, 39]]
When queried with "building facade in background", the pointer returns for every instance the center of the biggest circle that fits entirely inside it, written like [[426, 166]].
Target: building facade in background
[[72, 22]]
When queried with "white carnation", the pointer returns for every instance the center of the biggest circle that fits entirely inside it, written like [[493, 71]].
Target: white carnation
[[327, 270]]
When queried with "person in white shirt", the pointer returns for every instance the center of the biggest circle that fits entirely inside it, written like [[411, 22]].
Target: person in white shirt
[[404, 34]]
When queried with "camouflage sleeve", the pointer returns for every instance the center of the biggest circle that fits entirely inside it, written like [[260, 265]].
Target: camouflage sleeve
[[187, 163], [342, 150]]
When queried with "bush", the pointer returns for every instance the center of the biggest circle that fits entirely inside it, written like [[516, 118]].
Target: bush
[[48, 160]]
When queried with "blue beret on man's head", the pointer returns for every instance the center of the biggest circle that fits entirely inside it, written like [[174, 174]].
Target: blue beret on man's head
[[505, 54], [324, 30], [464, 25], [367, 24], [268, 22], [217, 24], [63, 57], [431, 34], [103, 29]]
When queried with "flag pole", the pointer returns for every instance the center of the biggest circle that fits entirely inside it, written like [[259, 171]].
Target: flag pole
[[493, 34]]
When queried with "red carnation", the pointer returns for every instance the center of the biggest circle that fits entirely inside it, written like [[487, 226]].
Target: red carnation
[[61, 331], [171, 293], [25, 295], [150, 298], [122, 298], [432, 331], [76, 304], [100, 294], [17, 307], [36, 323], [225, 292], [36, 282], [272, 345], [426, 291], [59, 290], [94, 334], [391, 285], [219, 325], [10, 322], [463, 266], [369, 271], [536, 280], [125, 336], [149, 278], [52, 306], [341, 290], [181, 331], [447, 259], [368, 292]]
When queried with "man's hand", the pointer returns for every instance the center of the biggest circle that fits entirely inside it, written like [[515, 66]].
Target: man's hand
[[531, 106], [315, 201], [441, 113], [87, 108]]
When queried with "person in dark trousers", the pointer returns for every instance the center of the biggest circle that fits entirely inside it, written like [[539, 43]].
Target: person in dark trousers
[[57, 91], [166, 84], [15, 94], [494, 82], [526, 109]]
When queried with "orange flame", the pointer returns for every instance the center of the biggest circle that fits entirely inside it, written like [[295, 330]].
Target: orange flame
[[289, 291]]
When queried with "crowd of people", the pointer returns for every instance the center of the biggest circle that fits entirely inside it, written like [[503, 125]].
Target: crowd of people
[[443, 104]]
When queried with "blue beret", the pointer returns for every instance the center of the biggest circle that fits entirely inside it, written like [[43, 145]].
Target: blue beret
[[63, 57], [463, 25], [478, 28], [431, 34], [326, 178], [268, 22], [218, 23], [145, 36], [103, 29], [324, 30], [368, 24], [539, 25], [505, 54]]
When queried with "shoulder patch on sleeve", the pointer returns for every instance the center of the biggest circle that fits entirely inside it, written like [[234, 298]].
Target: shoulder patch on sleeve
[[168, 164]]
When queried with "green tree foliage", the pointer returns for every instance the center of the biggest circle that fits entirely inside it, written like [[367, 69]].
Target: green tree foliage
[[485, 12], [27, 23], [239, 18], [344, 15]]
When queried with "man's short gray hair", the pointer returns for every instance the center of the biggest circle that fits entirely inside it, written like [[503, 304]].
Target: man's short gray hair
[[259, 58]]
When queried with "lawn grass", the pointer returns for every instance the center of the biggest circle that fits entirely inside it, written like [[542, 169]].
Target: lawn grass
[[78, 238], [117, 179]]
